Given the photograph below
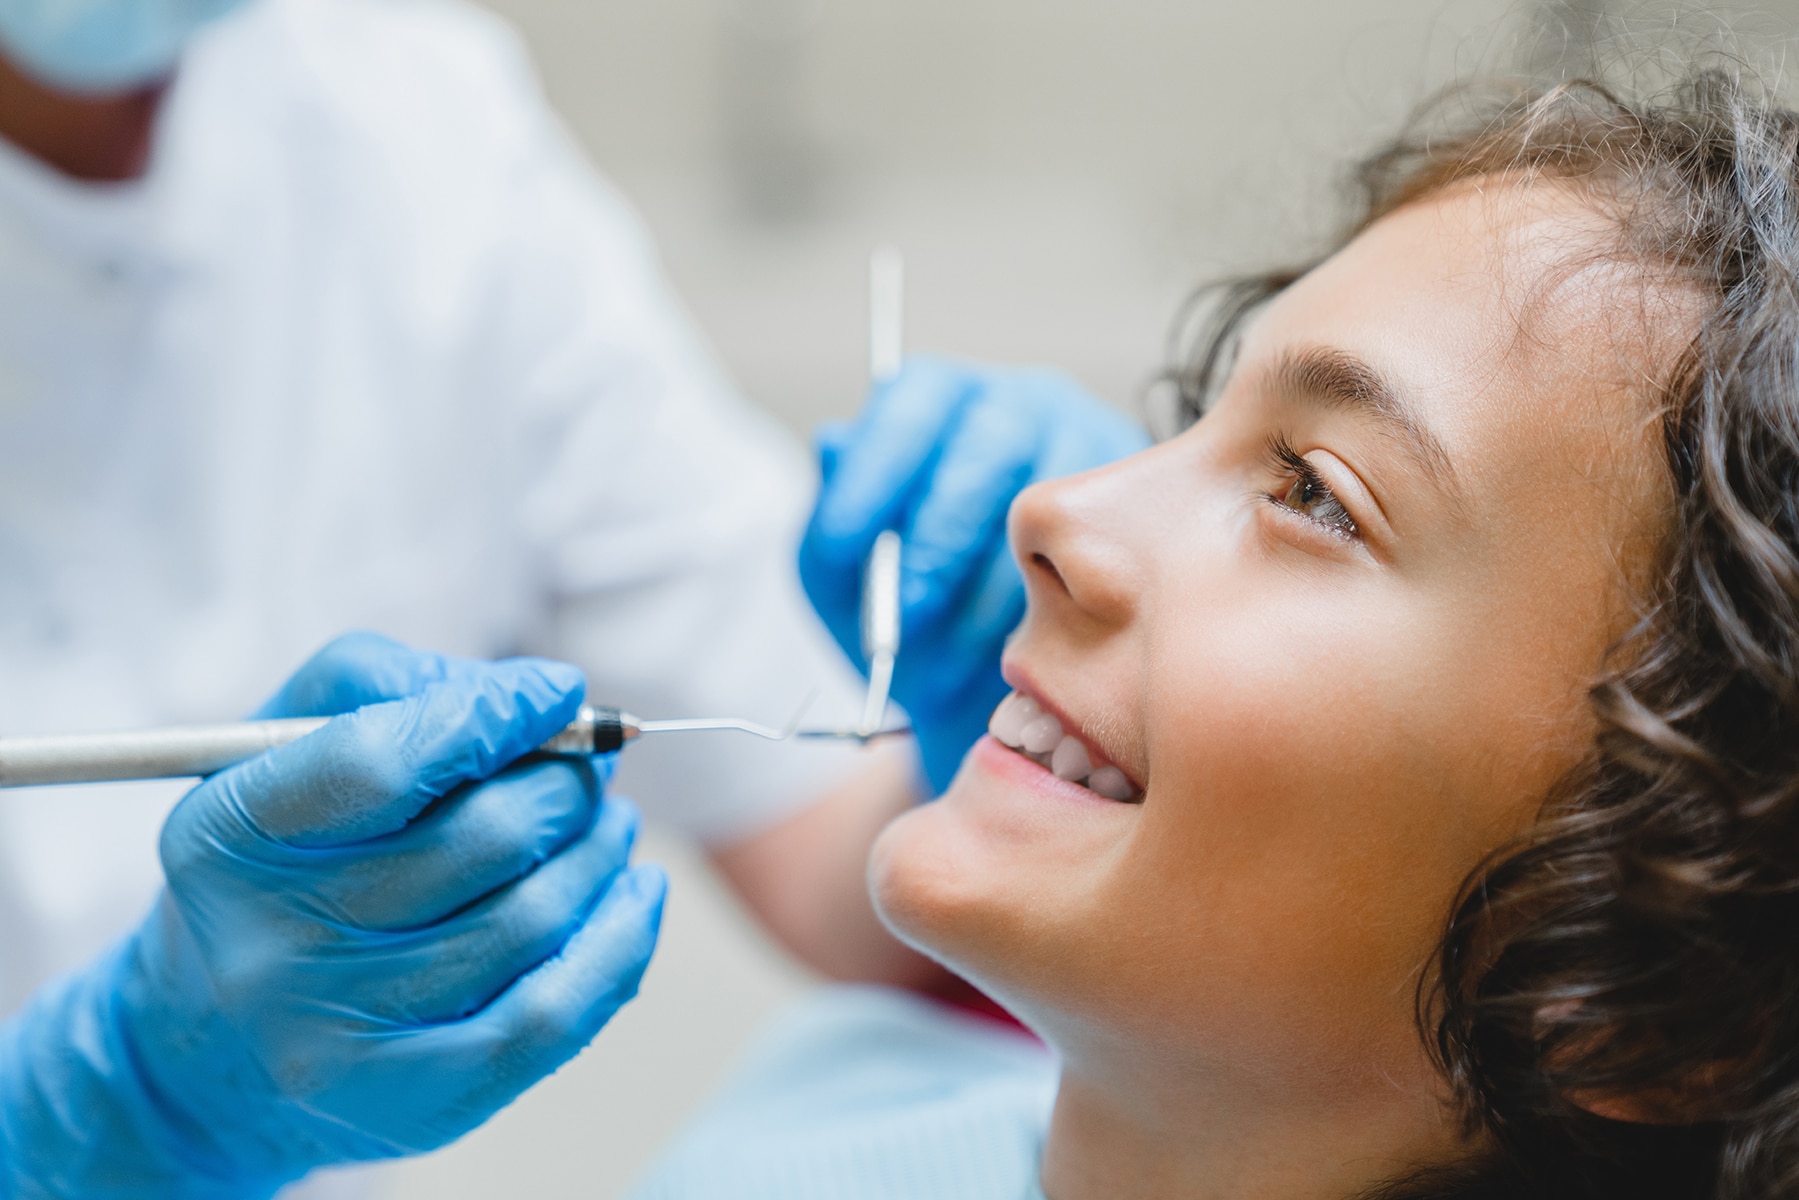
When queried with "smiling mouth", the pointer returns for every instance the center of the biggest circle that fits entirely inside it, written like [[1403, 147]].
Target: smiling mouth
[[1021, 725]]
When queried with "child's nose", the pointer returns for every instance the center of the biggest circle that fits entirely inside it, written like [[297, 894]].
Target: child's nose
[[1073, 539]]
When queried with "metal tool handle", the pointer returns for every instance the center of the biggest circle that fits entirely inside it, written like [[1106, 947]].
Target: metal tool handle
[[185, 751], [886, 313], [596, 730], [144, 754], [880, 626], [881, 575]]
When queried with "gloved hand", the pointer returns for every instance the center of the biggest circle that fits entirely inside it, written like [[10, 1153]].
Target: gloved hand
[[371, 940], [938, 454]]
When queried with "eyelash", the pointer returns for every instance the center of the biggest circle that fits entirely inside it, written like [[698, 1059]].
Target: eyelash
[[1300, 474]]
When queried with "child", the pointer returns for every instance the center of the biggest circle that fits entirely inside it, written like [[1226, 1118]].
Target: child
[[1441, 678]]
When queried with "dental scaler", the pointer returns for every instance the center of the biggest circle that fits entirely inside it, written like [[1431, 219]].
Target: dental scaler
[[182, 751]]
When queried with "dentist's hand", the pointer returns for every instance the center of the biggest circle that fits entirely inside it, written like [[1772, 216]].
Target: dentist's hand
[[371, 941], [938, 454]]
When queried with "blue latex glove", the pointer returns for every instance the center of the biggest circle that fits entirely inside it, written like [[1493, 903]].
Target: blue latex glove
[[371, 940], [938, 454]]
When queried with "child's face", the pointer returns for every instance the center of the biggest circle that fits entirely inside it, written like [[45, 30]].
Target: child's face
[[1337, 688]]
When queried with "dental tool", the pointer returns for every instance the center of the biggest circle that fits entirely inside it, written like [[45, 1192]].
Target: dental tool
[[182, 751], [880, 628], [881, 575], [886, 313]]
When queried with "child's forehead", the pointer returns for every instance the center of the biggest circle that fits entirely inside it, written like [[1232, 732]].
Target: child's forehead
[[1509, 236], [1507, 275]]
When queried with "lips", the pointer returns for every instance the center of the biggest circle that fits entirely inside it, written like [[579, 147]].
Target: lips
[[1021, 724]]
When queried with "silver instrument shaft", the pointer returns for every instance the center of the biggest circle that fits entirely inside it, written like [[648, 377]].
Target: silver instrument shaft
[[886, 313], [142, 754], [184, 751], [881, 576], [880, 628]]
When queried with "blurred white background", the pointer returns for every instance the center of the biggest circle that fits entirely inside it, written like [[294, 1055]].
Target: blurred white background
[[1059, 174]]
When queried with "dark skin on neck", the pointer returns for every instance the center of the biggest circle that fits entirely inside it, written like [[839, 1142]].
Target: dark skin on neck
[[96, 138]]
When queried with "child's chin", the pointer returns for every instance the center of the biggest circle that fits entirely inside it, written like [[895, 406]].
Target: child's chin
[[927, 885]]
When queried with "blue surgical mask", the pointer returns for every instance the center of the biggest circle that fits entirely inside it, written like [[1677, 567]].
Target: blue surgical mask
[[101, 45]]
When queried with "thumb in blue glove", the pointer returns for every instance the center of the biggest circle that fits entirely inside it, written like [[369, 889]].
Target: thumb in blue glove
[[371, 940], [939, 454]]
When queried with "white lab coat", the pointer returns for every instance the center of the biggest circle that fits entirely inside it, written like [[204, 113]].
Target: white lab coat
[[369, 347]]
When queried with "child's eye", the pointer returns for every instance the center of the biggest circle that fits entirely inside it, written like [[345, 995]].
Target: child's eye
[[1306, 493], [1313, 498]]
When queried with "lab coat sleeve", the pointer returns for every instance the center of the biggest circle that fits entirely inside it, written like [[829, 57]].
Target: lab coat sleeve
[[661, 511]]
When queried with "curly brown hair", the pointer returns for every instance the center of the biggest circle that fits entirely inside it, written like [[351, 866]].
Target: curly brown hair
[[1637, 952]]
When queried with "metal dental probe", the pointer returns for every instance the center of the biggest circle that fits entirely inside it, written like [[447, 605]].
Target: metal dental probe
[[886, 313], [880, 628], [881, 575]]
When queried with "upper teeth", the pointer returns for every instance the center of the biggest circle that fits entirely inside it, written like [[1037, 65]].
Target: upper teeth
[[1021, 723]]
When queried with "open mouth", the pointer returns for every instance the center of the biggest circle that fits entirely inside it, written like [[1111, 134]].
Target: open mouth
[[1021, 724]]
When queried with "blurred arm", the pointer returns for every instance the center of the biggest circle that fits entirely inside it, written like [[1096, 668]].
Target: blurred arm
[[806, 879]]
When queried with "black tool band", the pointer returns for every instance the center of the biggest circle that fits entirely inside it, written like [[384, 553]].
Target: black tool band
[[608, 730]]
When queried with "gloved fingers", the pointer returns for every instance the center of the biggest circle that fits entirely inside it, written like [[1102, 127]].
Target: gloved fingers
[[480, 838], [548, 1015], [560, 1006], [946, 742], [959, 523], [447, 971], [479, 1065], [991, 605], [870, 472], [973, 637], [353, 670], [1020, 427], [979, 601], [829, 441], [369, 772], [835, 593], [876, 470], [957, 539]]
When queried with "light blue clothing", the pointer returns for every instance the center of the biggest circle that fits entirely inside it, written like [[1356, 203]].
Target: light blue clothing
[[861, 1093]]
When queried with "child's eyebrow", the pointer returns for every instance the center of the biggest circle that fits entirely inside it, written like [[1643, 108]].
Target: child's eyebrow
[[1334, 378]]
